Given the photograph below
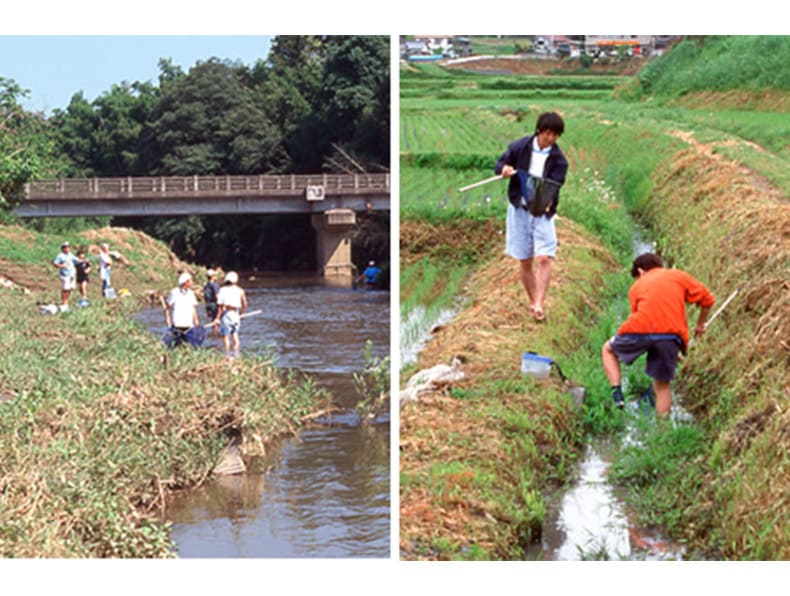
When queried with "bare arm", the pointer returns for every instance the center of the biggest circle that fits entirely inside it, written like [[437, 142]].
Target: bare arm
[[703, 315], [168, 321]]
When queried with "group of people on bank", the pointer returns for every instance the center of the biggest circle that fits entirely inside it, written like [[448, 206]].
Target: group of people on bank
[[657, 322], [74, 272], [224, 306]]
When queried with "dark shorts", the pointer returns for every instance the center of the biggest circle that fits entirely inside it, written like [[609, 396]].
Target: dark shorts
[[662, 352], [211, 311]]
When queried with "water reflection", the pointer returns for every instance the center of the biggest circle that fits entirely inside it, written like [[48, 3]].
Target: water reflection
[[327, 496]]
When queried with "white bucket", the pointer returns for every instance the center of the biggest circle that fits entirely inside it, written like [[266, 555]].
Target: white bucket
[[536, 365]]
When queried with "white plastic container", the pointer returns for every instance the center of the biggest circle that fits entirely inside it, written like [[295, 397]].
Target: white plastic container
[[536, 365]]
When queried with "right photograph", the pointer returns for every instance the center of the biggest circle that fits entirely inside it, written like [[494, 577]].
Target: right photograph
[[594, 297]]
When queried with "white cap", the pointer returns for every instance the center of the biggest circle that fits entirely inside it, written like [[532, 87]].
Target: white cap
[[232, 277], [184, 278]]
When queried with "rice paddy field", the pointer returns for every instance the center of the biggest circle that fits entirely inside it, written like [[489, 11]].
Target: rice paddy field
[[708, 182]]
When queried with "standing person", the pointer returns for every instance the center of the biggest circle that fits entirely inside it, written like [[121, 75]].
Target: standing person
[[65, 263], [181, 311], [531, 237], [370, 275], [657, 325], [210, 291], [105, 268], [83, 267], [232, 301]]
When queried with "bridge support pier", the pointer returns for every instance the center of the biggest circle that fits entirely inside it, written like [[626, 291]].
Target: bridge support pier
[[333, 245]]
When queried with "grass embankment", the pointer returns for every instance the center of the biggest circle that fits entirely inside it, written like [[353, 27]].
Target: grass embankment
[[476, 462], [732, 229], [99, 422]]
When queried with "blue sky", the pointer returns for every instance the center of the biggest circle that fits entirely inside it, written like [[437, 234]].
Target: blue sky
[[53, 68]]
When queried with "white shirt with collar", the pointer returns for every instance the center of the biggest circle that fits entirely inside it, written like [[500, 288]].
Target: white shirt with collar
[[537, 162]]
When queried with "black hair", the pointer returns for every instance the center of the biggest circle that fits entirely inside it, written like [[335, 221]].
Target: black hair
[[645, 262], [550, 121]]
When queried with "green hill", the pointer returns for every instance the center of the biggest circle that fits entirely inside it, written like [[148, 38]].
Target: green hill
[[742, 71]]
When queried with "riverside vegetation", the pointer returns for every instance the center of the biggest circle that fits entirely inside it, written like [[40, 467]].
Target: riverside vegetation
[[699, 159], [99, 423]]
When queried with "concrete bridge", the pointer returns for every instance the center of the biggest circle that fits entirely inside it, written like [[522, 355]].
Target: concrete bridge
[[332, 200]]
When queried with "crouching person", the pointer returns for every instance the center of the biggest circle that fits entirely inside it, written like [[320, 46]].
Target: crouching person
[[656, 326]]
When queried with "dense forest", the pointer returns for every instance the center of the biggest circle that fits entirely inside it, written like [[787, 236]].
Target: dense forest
[[313, 104]]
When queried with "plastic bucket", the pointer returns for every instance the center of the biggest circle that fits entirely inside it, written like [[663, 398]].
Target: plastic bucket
[[536, 365]]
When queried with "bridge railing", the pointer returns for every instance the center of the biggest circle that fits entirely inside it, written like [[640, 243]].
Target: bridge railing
[[66, 188]]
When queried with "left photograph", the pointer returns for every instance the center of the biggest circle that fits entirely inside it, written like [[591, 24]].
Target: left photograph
[[195, 296]]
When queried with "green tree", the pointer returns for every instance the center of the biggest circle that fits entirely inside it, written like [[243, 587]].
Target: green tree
[[354, 99], [207, 122], [286, 85], [25, 150]]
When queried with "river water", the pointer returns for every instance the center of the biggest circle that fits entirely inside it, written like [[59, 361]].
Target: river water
[[326, 493]]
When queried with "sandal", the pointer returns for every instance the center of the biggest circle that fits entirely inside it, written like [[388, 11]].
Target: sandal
[[537, 313]]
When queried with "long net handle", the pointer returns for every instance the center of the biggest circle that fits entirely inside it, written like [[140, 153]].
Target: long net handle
[[481, 183]]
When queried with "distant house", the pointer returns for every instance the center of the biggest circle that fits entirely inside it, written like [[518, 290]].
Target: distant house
[[462, 46], [612, 45], [437, 43], [415, 48], [560, 45]]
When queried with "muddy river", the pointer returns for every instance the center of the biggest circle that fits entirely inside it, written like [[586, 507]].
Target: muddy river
[[326, 492]]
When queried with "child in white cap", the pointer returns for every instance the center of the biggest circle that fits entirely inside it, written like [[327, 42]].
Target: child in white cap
[[232, 301]]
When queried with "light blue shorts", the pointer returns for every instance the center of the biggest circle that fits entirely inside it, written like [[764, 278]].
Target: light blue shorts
[[229, 322], [528, 236]]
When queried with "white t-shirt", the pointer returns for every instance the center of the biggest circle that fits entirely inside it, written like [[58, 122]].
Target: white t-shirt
[[182, 304], [105, 262], [230, 296], [538, 161]]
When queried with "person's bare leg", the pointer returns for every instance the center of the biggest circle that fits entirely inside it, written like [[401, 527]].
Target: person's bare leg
[[528, 279], [611, 365], [542, 277], [663, 395]]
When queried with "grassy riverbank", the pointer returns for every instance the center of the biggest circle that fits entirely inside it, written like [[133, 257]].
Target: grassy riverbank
[[711, 187], [99, 422]]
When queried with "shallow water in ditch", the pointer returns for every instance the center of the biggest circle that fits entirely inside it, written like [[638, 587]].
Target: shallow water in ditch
[[588, 521], [326, 492]]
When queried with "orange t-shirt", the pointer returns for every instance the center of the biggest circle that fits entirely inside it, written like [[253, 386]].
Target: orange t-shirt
[[658, 302]]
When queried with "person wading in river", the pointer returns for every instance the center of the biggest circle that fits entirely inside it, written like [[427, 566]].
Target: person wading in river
[[657, 325], [210, 291], [530, 234], [232, 300], [181, 311]]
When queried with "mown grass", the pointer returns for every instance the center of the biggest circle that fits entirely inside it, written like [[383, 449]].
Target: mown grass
[[100, 423]]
